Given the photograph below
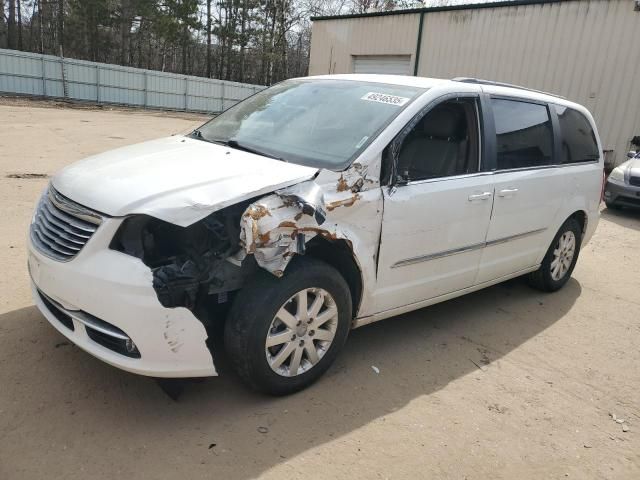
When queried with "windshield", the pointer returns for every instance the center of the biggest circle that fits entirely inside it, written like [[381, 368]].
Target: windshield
[[319, 123]]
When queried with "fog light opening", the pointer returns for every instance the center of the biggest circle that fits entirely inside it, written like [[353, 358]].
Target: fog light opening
[[130, 346]]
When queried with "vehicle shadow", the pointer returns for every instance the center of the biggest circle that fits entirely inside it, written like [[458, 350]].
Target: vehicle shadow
[[113, 422], [626, 217]]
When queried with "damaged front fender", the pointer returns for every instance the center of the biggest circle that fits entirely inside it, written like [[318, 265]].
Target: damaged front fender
[[279, 226]]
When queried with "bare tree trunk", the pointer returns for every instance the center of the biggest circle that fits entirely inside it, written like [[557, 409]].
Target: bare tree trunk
[[283, 40], [230, 31], [272, 38], [40, 25], [243, 41], [140, 41], [208, 38], [222, 39], [61, 26], [185, 45], [164, 54], [3, 27], [19, 26], [31, 21], [263, 63], [11, 25]]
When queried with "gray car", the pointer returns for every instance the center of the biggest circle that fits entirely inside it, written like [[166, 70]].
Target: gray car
[[623, 185]]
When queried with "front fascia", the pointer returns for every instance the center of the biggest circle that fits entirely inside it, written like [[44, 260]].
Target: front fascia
[[117, 288]]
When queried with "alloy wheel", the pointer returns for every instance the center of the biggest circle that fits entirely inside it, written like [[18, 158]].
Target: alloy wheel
[[301, 332], [563, 255]]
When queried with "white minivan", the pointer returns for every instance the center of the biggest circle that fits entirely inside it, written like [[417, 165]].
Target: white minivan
[[315, 206]]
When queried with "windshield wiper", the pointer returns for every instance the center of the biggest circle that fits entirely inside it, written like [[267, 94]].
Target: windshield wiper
[[239, 146], [233, 143]]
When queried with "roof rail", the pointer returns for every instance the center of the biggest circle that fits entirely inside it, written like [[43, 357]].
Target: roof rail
[[480, 81]]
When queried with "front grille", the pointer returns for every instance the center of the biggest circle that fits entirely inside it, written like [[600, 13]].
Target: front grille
[[635, 181], [61, 227]]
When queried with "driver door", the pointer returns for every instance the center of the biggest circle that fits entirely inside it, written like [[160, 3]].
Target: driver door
[[436, 217]]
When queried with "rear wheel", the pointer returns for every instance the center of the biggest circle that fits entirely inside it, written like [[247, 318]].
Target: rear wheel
[[282, 334], [560, 259]]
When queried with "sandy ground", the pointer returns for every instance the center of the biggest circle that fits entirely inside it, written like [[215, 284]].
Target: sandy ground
[[503, 383]]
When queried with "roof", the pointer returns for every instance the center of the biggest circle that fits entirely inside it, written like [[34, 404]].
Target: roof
[[420, 82], [459, 85], [466, 6]]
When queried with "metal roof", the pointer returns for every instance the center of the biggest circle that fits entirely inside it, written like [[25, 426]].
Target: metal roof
[[466, 6]]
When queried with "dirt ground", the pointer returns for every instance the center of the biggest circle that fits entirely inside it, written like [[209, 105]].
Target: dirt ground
[[503, 383]]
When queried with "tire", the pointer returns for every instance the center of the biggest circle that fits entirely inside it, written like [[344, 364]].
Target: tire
[[256, 314], [545, 278]]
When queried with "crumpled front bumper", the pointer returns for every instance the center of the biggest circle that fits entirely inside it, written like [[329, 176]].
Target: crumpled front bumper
[[116, 288]]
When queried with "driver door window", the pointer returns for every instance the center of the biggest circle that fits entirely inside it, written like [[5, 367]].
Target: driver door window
[[442, 143]]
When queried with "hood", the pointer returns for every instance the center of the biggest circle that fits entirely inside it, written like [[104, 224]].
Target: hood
[[177, 179]]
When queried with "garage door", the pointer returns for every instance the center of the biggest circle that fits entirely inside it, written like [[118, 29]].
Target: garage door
[[385, 64]]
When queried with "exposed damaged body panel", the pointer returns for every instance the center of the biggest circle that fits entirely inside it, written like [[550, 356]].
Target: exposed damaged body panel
[[221, 252], [186, 262], [344, 206]]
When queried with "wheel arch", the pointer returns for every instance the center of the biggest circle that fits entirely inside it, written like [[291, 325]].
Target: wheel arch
[[582, 218], [339, 255]]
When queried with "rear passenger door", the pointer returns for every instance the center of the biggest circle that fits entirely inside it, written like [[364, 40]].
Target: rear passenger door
[[528, 189]]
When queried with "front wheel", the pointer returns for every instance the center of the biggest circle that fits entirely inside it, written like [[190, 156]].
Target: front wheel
[[282, 334], [560, 259]]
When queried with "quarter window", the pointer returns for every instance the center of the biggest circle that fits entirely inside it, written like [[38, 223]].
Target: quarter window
[[524, 135], [578, 138]]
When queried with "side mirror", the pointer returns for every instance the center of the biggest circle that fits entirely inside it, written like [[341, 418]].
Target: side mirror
[[631, 154]]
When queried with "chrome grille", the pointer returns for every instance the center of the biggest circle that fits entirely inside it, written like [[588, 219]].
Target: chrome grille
[[61, 227]]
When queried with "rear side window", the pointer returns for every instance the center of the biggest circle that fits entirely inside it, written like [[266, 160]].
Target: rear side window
[[578, 138], [524, 135]]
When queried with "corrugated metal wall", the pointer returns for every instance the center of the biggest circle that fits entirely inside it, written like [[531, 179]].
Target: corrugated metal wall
[[45, 75], [585, 50], [335, 42]]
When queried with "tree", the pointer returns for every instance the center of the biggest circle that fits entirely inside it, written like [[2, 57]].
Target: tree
[[11, 25], [3, 26], [61, 26], [208, 38], [256, 41], [19, 25]]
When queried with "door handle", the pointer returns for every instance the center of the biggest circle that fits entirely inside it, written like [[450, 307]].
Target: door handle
[[508, 192], [480, 196]]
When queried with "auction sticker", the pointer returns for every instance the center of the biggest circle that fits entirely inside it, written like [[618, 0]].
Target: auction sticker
[[384, 98]]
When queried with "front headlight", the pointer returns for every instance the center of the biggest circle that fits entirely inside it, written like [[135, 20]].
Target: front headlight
[[617, 174]]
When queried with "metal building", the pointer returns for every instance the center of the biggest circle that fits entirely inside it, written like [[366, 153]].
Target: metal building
[[585, 50]]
